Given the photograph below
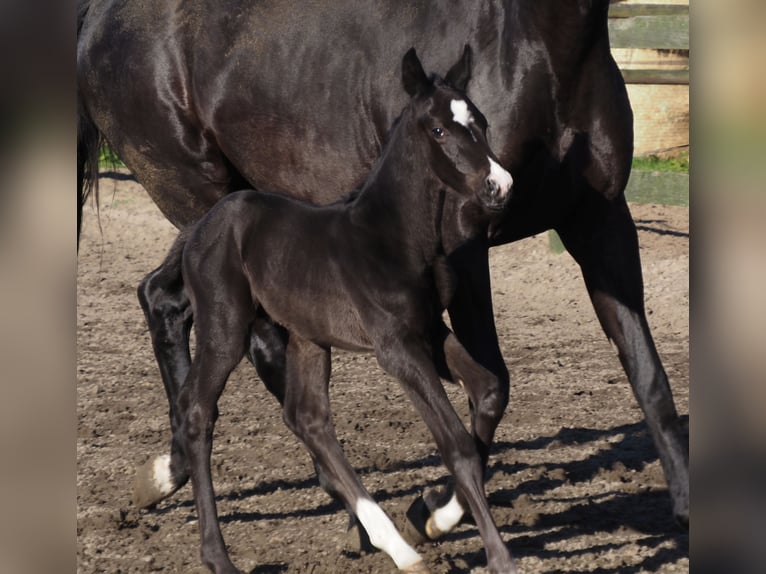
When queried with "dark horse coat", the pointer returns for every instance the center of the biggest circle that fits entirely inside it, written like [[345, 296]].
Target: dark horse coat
[[366, 273], [200, 98]]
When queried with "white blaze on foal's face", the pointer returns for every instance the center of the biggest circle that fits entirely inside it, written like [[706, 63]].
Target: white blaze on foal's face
[[463, 116], [460, 113]]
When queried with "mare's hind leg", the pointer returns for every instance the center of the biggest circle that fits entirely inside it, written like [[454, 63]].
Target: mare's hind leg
[[267, 352], [306, 412], [184, 177], [603, 240], [169, 319]]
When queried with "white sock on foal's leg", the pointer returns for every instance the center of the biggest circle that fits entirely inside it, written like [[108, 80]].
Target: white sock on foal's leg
[[384, 535], [444, 518]]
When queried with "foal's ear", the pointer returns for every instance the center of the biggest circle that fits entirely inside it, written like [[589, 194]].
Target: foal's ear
[[413, 76], [460, 73]]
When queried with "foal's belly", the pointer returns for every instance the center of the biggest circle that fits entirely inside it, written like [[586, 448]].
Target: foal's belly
[[295, 270], [324, 317]]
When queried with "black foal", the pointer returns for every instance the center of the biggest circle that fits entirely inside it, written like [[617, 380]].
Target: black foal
[[368, 273]]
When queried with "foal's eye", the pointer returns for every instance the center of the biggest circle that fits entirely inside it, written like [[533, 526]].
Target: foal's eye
[[437, 132]]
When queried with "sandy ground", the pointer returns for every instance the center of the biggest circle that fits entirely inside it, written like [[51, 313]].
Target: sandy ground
[[576, 484]]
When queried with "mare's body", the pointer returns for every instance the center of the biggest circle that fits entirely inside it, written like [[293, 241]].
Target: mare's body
[[202, 98]]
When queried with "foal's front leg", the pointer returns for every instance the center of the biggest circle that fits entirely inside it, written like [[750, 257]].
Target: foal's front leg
[[486, 381], [444, 510], [409, 359], [306, 411]]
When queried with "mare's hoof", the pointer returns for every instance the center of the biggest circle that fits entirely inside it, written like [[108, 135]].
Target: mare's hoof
[[358, 541], [417, 568], [153, 482]]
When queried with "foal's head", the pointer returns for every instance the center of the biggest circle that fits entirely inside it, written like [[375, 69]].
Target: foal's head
[[456, 131]]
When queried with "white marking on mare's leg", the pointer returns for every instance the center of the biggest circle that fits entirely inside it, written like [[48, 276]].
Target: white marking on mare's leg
[[460, 112], [500, 176], [384, 535], [446, 517], [163, 479]]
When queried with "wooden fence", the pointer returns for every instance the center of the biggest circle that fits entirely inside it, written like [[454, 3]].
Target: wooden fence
[[650, 43]]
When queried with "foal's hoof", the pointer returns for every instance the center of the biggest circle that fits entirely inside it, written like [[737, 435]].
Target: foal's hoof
[[153, 482], [357, 540], [417, 568], [414, 531], [419, 526]]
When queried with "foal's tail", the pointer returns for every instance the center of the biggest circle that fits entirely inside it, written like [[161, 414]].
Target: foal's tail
[[89, 141]]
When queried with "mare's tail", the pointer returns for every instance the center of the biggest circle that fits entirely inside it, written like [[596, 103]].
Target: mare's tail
[[89, 141], [88, 145]]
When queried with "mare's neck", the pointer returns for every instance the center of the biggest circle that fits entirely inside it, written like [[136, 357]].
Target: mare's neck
[[567, 28]]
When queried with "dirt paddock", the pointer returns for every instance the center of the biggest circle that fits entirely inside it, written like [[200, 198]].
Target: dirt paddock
[[575, 486]]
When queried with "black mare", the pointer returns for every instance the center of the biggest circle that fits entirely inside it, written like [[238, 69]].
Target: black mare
[[201, 98], [369, 273]]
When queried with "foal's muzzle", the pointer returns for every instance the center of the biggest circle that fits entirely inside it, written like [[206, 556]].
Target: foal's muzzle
[[497, 186]]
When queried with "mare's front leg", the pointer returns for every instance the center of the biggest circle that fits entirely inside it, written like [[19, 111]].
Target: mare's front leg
[[169, 318], [472, 319], [602, 238], [306, 411], [409, 359]]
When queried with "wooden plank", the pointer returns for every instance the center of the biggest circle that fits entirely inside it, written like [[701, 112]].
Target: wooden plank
[[668, 32], [630, 10], [662, 187], [655, 76]]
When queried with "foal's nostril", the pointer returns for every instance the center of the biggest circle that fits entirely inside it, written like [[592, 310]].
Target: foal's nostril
[[492, 187]]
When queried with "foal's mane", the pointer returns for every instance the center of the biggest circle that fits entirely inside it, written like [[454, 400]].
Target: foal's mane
[[350, 197]]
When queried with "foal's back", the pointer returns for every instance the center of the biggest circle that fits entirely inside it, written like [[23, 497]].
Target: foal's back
[[294, 259]]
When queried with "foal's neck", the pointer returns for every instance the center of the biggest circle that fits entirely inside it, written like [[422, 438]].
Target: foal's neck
[[401, 201]]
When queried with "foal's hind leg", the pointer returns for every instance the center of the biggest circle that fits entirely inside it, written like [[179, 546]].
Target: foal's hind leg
[[267, 352], [223, 319], [307, 413], [169, 318]]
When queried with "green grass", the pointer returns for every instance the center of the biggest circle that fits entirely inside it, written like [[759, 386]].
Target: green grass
[[677, 164], [107, 159]]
